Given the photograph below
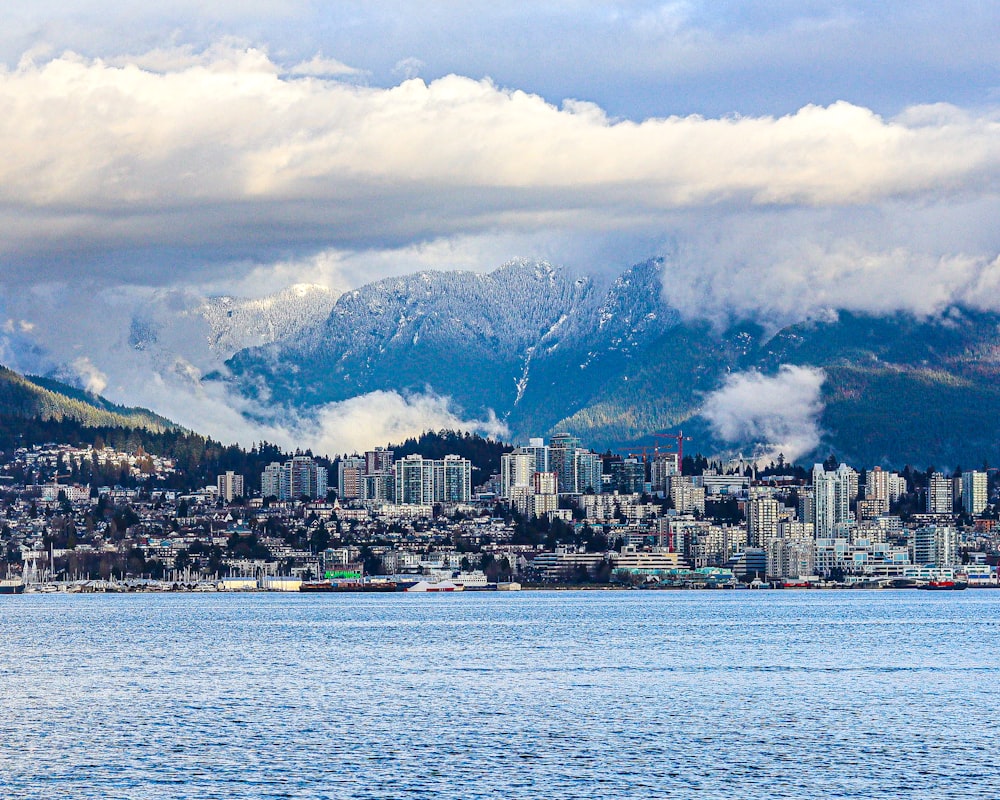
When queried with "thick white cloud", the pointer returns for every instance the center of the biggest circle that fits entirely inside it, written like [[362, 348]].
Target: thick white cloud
[[380, 417], [352, 425], [226, 152], [637, 58], [770, 413], [781, 266], [93, 379]]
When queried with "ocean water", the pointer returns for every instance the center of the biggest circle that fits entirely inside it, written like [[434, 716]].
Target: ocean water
[[790, 694]]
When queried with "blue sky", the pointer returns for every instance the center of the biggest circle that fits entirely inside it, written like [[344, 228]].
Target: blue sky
[[634, 59]]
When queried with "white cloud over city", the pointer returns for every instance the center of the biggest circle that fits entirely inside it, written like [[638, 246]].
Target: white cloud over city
[[779, 412], [225, 151]]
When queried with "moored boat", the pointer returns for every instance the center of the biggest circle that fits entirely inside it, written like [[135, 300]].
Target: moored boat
[[11, 586], [943, 585], [347, 586]]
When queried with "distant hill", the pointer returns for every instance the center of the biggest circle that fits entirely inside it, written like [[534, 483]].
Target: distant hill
[[32, 398], [39, 410]]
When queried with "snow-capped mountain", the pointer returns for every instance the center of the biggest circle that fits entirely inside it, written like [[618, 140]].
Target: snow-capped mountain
[[238, 323], [502, 341], [547, 350]]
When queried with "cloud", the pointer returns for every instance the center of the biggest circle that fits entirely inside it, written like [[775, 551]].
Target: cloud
[[776, 414], [321, 67], [154, 348], [781, 266], [222, 157], [348, 426], [93, 379], [380, 417], [408, 68], [770, 56]]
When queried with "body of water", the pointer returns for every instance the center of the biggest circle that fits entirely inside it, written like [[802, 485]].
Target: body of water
[[790, 694]]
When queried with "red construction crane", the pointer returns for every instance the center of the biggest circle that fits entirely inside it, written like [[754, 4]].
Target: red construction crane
[[637, 452], [680, 438]]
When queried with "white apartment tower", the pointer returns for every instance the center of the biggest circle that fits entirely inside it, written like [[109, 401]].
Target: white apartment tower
[[877, 489], [516, 471], [831, 499], [422, 481], [762, 521], [936, 545], [939, 497], [974, 493], [296, 478]]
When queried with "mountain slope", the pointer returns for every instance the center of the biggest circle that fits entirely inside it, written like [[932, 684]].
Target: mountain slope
[[461, 333], [901, 389], [30, 398]]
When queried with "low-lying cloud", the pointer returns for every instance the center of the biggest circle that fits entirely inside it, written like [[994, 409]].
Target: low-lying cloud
[[380, 417], [770, 414], [353, 425], [154, 348]]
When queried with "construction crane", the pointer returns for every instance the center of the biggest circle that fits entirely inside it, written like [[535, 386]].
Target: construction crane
[[637, 452], [680, 438]]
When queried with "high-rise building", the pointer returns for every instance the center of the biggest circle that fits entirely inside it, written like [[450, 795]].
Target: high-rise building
[[762, 521], [516, 470], [423, 481], [562, 460], [541, 452], [935, 545], [578, 470], [663, 467], [974, 493], [832, 498], [544, 494], [791, 557], [628, 476], [542, 504], [306, 478], [806, 509], [939, 498], [687, 497], [379, 486], [877, 491], [230, 485], [378, 460], [350, 477], [588, 472], [414, 480], [545, 483], [274, 481], [300, 477], [457, 480]]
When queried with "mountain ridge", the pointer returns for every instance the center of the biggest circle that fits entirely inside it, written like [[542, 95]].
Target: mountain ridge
[[550, 351]]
